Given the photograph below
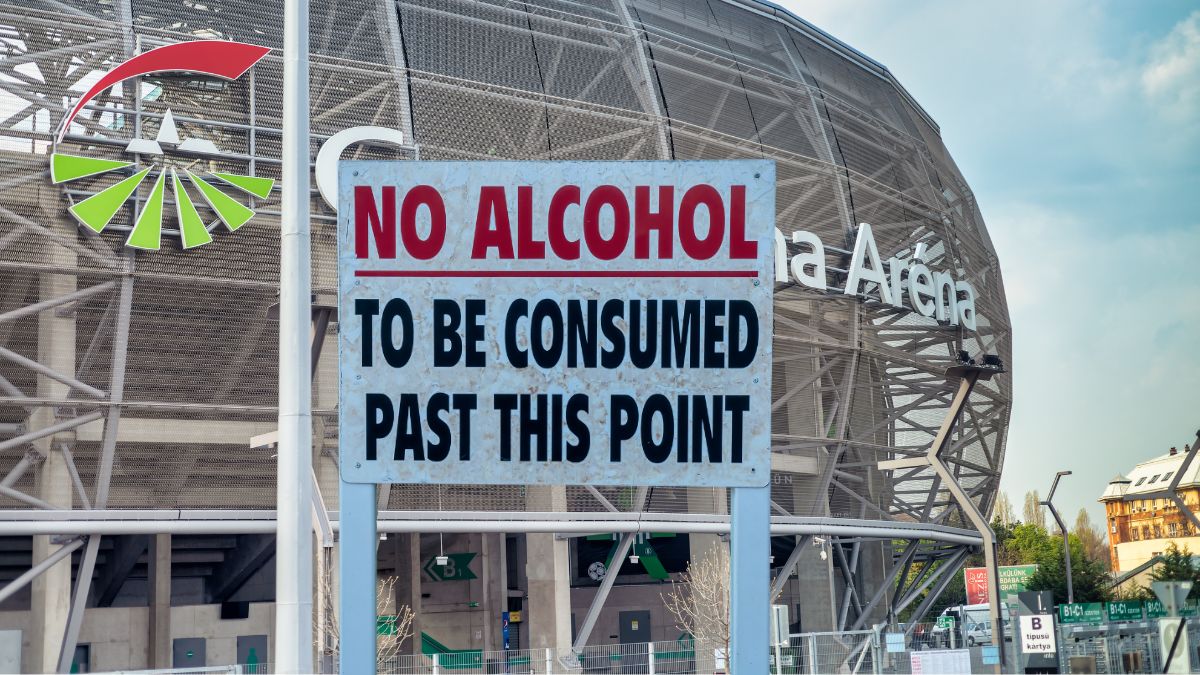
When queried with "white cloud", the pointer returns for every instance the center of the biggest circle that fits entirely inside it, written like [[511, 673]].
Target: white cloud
[[1172, 75]]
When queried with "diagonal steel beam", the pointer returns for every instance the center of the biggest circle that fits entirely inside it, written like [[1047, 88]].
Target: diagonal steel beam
[[789, 565], [26, 362], [74, 296], [944, 576], [117, 566], [610, 577], [885, 585], [83, 576], [50, 560], [50, 430]]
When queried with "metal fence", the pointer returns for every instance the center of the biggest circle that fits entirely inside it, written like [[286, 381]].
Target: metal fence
[[1108, 649]]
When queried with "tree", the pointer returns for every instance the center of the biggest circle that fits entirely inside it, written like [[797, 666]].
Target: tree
[[699, 601], [1177, 565], [399, 626], [1004, 510], [1034, 513], [1093, 539], [1089, 576]]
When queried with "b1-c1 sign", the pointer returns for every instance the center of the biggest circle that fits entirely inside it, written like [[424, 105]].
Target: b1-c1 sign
[[604, 323]]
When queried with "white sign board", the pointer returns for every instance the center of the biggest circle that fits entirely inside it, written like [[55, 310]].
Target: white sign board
[[940, 661], [1037, 634], [604, 323]]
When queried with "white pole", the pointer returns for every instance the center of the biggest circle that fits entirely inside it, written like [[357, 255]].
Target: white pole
[[294, 555]]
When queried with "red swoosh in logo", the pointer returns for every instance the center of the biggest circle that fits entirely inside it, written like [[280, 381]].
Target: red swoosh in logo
[[218, 58]]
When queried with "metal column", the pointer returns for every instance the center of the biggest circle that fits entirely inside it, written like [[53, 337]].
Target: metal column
[[749, 583], [356, 577], [294, 562]]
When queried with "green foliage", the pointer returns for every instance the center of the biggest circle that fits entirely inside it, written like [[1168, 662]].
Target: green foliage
[[1177, 565], [1020, 543], [1089, 576]]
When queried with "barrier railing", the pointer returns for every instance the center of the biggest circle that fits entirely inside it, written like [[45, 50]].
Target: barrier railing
[[1108, 649]]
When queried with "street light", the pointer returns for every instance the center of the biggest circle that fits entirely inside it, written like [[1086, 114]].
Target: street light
[[1061, 528]]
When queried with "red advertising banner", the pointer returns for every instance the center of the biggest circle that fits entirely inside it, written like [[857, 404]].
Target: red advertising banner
[[977, 585]]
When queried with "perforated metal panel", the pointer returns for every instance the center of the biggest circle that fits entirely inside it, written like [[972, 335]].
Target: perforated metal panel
[[855, 383]]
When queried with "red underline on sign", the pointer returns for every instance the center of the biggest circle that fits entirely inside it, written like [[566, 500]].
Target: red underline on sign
[[641, 274]]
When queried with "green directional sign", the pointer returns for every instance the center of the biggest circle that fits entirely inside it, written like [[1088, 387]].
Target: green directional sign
[[1081, 612], [1155, 609], [946, 622], [457, 568], [1125, 610]]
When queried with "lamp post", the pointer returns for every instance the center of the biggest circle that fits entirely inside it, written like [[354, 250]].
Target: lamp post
[[1061, 528]]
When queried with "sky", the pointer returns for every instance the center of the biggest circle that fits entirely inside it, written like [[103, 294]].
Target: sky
[[1077, 125]]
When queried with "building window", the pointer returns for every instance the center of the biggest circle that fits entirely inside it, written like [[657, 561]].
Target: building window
[[1153, 479], [1157, 532], [1140, 481], [1167, 475], [1113, 525], [1134, 531], [1172, 530]]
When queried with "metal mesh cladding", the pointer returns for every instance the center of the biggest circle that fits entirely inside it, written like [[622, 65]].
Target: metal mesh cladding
[[854, 382]]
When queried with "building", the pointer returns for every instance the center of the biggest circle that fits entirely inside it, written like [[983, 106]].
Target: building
[[1142, 520], [134, 380]]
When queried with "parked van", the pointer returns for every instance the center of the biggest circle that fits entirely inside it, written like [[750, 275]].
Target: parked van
[[973, 624]]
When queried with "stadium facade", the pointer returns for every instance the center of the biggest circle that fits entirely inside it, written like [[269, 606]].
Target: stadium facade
[[133, 380]]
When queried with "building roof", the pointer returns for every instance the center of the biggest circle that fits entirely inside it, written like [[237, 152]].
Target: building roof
[[1116, 488], [1151, 476]]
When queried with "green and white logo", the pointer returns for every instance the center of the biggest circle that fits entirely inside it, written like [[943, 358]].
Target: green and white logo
[[174, 162]]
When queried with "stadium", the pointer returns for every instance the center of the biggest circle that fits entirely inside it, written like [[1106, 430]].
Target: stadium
[[139, 353]]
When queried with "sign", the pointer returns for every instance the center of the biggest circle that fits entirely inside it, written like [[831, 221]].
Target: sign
[[934, 294], [940, 661], [894, 642], [457, 568], [1081, 612], [1037, 634], [167, 161], [385, 624], [1013, 580], [779, 625], [991, 655], [1125, 610], [1155, 609], [945, 621], [603, 323]]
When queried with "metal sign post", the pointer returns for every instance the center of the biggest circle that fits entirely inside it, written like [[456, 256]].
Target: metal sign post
[[356, 577], [749, 583]]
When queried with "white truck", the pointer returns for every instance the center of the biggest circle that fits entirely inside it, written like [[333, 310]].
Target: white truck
[[972, 625]]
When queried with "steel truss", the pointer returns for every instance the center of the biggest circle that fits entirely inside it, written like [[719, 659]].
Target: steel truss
[[868, 380]]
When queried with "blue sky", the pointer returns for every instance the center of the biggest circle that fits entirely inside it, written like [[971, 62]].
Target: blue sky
[[1077, 124]]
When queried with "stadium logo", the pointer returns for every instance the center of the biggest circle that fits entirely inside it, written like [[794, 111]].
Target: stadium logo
[[173, 160]]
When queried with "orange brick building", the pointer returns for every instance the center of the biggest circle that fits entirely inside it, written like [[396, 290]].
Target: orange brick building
[[1139, 526]]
